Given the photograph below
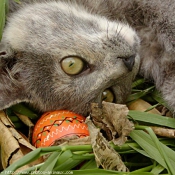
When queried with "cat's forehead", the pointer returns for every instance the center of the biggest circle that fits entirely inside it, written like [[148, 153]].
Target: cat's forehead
[[58, 29]]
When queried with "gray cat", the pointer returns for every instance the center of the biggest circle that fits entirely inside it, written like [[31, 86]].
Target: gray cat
[[67, 54]]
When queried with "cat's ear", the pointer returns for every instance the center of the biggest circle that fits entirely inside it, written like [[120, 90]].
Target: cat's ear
[[10, 86]]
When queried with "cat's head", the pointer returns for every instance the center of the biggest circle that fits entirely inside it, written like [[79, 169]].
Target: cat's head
[[58, 56]]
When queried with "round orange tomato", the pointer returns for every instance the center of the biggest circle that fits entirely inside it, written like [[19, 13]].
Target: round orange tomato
[[55, 125]]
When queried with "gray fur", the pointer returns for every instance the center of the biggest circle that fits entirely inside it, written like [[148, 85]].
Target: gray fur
[[38, 36]]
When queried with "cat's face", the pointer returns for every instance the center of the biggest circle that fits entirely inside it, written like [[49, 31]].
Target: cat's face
[[60, 57]]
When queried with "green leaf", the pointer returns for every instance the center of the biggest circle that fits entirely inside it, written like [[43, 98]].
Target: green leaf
[[157, 170], [23, 161], [155, 149], [167, 154], [91, 164], [68, 165], [141, 151], [156, 95], [148, 146], [64, 156], [138, 82], [22, 109], [17, 1], [152, 118], [2, 16], [106, 172], [66, 162], [30, 157], [145, 169], [50, 163], [140, 94]]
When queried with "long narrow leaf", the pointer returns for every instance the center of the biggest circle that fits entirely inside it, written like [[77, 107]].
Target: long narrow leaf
[[2, 16], [22, 109], [140, 94], [145, 169], [50, 163], [141, 151], [157, 170], [138, 82], [68, 165], [91, 164], [144, 140], [152, 118], [28, 158], [106, 172], [23, 161], [158, 97], [155, 148], [165, 153]]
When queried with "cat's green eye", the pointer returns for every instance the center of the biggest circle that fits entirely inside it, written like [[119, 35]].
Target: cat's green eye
[[108, 96], [72, 65]]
